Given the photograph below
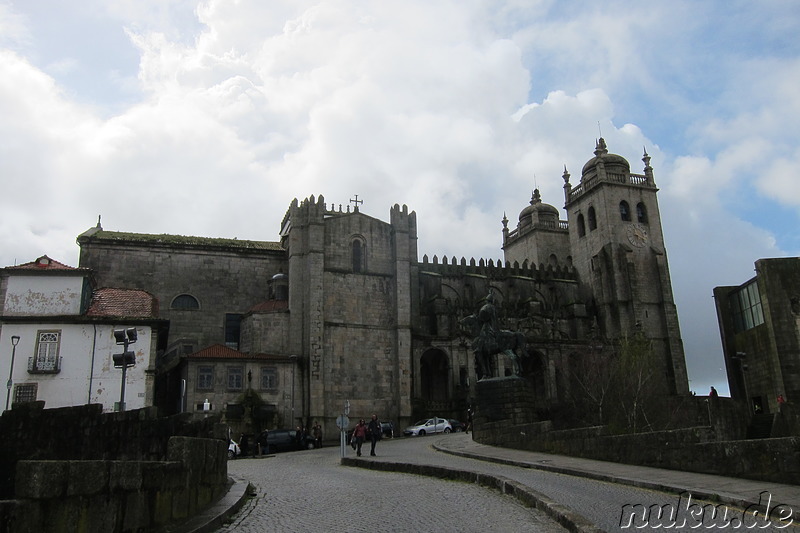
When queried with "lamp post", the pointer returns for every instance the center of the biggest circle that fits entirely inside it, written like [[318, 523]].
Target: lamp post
[[294, 364], [14, 342], [124, 337]]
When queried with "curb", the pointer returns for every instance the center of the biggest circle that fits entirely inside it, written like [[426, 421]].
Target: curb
[[708, 495], [213, 517], [525, 495]]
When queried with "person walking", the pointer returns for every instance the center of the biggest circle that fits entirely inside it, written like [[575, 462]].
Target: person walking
[[374, 431], [359, 434], [317, 433]]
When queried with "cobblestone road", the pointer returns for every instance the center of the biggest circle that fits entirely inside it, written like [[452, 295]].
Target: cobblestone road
[[310, 491]]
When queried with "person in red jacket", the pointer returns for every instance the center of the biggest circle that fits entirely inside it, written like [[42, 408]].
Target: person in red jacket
[[359, 434]]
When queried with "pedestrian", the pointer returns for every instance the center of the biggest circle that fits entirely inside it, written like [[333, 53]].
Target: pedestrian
[[244, 445], [261, 441], [713, 393], [374, 432], [359, 433], [781, 400], [298, 437], [469, 420], [317, 435]]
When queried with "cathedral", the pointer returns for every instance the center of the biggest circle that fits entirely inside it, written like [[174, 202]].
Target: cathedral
[[340, 315]]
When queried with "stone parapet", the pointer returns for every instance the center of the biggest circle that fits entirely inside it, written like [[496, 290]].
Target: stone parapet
[[103, 496]]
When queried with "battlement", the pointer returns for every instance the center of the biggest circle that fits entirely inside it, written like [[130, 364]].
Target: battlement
[[494, 270]]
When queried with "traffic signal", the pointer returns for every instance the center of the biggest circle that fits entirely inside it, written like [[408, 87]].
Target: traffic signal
[[124, 359]]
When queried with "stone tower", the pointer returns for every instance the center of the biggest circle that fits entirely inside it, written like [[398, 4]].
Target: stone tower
[[613, 239], [618, 251], [350, 308]]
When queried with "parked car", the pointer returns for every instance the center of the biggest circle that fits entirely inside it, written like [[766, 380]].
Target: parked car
[[457, 426], [428, 426], [285, 440], [233, 450], [387, 429]]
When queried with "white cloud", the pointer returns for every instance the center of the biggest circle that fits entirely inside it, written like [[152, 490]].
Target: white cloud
[[232, 109]]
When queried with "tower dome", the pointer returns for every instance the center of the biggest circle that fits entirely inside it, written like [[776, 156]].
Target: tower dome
[[537, 211], [613, 163]]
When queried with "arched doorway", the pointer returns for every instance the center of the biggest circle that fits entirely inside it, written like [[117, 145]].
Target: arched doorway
[[534, 369], [434, 375]]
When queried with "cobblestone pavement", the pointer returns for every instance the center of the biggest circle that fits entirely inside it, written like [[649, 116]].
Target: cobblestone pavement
[[310, 491]]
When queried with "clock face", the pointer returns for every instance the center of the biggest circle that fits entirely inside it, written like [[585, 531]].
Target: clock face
[[637, 235]]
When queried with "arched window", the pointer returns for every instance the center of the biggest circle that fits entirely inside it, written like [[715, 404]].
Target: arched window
[[552, 260], [592, 220], [359, 256], [185, 301], [641, 213], [625, 211], [581, 226]]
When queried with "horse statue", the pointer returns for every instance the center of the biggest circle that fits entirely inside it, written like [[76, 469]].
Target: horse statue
[[489, 341]]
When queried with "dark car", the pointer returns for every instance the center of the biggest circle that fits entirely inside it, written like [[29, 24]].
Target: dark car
[[387, 429], [285, 440], [457, 426]]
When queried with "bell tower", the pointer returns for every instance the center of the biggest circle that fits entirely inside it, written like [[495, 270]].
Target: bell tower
[[618, 250]]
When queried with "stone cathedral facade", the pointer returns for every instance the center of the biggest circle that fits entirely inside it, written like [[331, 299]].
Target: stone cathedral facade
[[341, 309]]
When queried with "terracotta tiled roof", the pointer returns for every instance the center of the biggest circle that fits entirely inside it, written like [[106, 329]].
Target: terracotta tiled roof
[[44, 263], [270, 305], [219, 351], [130, 303]]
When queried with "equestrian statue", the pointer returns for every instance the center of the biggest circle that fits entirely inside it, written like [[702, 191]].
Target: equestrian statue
[[489, 340]]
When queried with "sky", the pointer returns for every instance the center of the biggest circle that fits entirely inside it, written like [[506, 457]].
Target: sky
[[208, 118]]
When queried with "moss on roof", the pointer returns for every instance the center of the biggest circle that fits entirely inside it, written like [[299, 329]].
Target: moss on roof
[[180, 240]]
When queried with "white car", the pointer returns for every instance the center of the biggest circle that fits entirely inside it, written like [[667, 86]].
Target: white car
[[233, 450], [428, 426]]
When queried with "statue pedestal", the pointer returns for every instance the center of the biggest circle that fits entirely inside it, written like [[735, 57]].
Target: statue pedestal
[[501, 403]]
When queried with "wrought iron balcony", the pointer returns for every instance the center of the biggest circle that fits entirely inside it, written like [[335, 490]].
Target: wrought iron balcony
[[44, 365]]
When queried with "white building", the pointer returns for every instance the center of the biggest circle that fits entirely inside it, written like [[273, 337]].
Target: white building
[[57, 338]]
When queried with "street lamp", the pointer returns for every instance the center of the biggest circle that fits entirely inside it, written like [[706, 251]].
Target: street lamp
[[14, 342], [294, 364], [125, 359]]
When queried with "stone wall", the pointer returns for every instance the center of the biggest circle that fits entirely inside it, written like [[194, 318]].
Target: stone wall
[[689, 449], [107, 496], [76, 469]]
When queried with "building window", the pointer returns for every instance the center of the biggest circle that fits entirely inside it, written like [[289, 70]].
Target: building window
[[592, 220], [235, 378], [641, 213], [581, 226], [46, 360], [205, 377], [359, 255], [625, 211], [269, 378], [25, 392], [746, 307], [185, 301], [233, 323]]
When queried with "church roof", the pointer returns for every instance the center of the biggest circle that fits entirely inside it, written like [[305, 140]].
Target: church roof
[[128, 303], [177, 240]]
